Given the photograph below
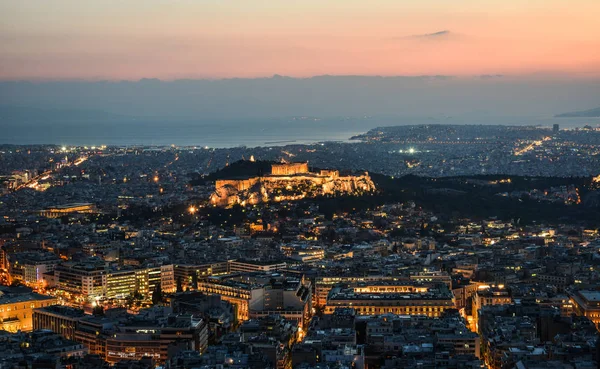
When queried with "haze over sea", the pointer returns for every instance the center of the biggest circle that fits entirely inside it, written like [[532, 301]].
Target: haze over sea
[[232, 133], [268, 111]]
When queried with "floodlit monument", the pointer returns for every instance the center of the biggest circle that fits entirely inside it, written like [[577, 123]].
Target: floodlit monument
[[288, 182]]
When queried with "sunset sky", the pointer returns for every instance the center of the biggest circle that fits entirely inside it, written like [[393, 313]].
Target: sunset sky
[[171, 39]]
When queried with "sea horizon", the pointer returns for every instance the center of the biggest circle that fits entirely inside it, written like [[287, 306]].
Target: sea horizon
[[250, 133]]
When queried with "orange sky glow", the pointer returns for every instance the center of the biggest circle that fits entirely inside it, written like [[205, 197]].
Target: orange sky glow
[[109, 39]]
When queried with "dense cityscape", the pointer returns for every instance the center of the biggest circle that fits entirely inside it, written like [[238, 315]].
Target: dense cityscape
[[427, 246], [315, 184]]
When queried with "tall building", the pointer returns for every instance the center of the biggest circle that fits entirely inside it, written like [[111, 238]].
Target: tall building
[[555, 128]]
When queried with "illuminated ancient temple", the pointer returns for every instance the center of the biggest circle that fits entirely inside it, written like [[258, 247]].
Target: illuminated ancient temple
[[288, 182]]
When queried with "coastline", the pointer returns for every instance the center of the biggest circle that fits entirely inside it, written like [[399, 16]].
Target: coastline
[[250, 134]]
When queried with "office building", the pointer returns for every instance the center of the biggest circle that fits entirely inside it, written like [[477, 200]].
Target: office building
[[391, 297]]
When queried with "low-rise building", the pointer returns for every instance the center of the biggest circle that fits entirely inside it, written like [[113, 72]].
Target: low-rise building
[[250, 266], [488, 296], [259, 294], [37, 349], [17, 307], [59, 319], [138, 339], [393, 297], [29, 267], [587, 303]]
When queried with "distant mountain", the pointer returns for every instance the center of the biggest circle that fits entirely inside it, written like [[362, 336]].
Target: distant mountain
[[592, 113], [477, 99], [22, 114]]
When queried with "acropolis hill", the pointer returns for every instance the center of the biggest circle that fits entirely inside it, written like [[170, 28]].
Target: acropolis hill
[[288, 182]]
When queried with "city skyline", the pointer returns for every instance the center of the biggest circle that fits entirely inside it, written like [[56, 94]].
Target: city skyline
[[319, 184]]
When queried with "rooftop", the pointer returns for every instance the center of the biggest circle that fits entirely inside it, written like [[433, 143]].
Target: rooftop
[[63, 310], [350, 294], [24, 297], [71, 205], [593, 296]]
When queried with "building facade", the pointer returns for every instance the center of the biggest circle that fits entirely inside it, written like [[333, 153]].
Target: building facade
[[16, 310], [587, 303], [395, 298], [59, 319]]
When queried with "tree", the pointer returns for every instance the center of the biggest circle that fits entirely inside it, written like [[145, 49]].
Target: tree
[[15, 283], [98, 310], [195, 280], [179, 284], [157, 295]]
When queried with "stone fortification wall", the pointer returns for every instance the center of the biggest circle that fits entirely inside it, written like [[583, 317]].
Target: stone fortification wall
[[289, 169], [238, 184]]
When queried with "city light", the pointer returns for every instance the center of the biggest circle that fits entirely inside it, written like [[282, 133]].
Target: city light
[[336, 216]]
